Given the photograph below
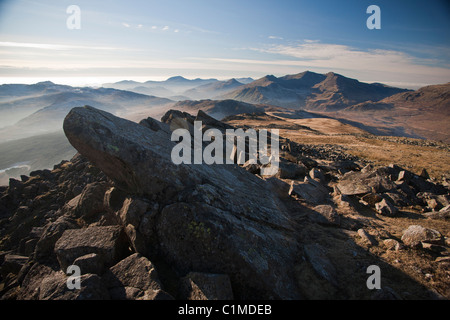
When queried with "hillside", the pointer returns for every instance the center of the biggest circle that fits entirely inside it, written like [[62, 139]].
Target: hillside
[[423, 113], [311, 91], [34, 153], [220, 108], [28, 110], [212, 90]]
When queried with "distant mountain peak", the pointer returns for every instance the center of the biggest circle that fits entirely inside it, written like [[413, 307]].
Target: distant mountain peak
[[232, 81], [177, 78], [332, 74], [45, 83], [271, 77]]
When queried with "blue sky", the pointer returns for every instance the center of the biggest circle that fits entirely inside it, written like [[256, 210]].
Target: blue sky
[[144, 40]]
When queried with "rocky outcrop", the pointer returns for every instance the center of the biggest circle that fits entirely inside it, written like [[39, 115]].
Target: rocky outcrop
[[141, 228], [226, 219]]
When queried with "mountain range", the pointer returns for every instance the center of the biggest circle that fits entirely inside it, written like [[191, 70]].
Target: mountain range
[[29, 113], [311, 91], [180, 88]]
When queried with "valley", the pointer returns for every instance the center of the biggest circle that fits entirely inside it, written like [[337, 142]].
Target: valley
[[311, 108]]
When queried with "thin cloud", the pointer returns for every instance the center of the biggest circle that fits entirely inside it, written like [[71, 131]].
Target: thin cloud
[[275, 38], [342, 57], [45, 46], [57, 47], [126, 25]]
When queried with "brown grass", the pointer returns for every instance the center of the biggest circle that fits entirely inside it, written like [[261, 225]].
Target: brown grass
[[358, 143]]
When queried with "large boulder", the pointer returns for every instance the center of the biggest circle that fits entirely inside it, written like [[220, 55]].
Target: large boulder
[[258, 257], [365, 181], [217, 219], [309, 190], [54, 287], [134, 278], [414, 235]]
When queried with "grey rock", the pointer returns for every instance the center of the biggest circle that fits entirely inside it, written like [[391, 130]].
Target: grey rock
[[51, 233], [12, 264], [443, 214], [90, 201], [317, 175], [365, 181], [371, 199], [290, 170], [108, 242], [250, 229], [392, 244], [134, 278], [132, 211], [415, 234], [114, 199], [317, 257], [328, 215], [205, 286], [385, 293], [211, 240], [309, 190], [54, 287], [404, 176], [32, 281], [90, 263], [366, 237], [385, 208]]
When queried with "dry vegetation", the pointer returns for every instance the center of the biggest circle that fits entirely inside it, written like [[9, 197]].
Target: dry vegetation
[[412, 154], [405, 271]]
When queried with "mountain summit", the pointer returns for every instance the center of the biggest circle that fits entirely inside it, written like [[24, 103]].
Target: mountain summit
[[312, 91]]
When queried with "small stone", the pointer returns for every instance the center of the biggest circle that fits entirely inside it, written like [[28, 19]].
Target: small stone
[[392, 244], [369, 239], [385, 208]]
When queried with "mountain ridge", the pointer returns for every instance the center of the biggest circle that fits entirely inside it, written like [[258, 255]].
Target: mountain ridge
[[311, 91]]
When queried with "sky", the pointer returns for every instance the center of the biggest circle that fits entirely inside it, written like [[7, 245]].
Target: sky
[[154, 40]]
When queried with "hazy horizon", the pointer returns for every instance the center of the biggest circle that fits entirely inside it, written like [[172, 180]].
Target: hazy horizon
[[155, 40], [99, 81]]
